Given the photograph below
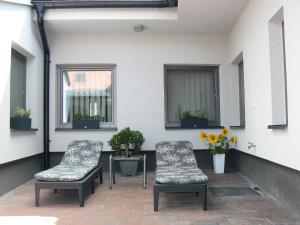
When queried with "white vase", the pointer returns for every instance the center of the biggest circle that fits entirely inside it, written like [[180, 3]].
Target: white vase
[[219, 163]]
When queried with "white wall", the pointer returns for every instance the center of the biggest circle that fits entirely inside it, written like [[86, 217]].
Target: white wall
[[140, 78], [18, 31], [251, 36]]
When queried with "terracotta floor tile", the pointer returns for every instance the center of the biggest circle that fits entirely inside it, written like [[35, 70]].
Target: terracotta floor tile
[[128, 203]]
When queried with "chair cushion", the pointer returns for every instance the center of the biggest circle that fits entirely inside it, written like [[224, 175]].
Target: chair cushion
[[175, 154], [180, 175], [80, 158], [82, 153], [64, 173], [176, 164]]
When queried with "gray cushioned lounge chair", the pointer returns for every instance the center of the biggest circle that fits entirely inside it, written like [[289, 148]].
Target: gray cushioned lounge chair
[[177, 171], [78, 169]]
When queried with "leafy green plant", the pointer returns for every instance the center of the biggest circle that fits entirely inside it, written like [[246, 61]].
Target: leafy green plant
[[79, 116], [22, 113], [186, 115], [126, 140], [199, 114]]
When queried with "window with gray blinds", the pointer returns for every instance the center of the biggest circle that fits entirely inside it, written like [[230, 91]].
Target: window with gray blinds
[[17, 81], [191, 89]]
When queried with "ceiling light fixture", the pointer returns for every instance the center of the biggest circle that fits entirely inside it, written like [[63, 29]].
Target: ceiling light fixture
[[139, 28]]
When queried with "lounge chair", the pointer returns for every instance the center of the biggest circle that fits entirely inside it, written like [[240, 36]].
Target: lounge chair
[[78, 169], [177, 171]]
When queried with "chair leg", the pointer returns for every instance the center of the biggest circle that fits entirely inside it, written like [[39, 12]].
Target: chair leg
[[81, 197], [197, 193], [114, 177], [156, 198], [101, 177], [205, 198], [93, 187], [37, 196]]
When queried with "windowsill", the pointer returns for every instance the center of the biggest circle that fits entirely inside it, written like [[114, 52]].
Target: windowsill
[[29, 130], [279, 126], [98, 129], [237, 127], [182, 128]]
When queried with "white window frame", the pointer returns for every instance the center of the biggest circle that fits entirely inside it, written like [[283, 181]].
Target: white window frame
[[85, 67]]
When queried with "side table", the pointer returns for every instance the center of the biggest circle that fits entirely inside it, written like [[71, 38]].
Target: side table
[[112, 159]]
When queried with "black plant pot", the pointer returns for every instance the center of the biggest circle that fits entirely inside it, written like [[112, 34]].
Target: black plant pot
[[85, 124], [129, 167], [194, 122], [18, 123]]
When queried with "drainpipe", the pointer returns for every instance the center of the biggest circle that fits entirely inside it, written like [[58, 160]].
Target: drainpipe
[[40, 10]]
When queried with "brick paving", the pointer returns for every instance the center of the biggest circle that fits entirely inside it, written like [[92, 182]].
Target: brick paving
[[129, 204]]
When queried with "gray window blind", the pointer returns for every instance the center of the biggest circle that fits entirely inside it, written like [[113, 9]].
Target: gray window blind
[[17, 81], [191, 90]]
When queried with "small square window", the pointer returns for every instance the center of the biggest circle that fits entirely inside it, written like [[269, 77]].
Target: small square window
[[80, 77], [193, 89], [88, 91]]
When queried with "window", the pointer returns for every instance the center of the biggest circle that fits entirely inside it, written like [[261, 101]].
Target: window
[[80, 77], [192, 88], [278, 69], [238, 92], [88, 91], [17, 81], [241, 93]]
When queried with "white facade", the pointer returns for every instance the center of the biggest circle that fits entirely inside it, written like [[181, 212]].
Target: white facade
[[19, 32], [251, 36], [140, 59]]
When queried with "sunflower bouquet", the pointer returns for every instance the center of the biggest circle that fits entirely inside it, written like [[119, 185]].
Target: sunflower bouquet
[[218, 143]]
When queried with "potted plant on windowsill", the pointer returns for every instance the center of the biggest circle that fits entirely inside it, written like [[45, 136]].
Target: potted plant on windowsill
[[21, 120], [218, 147], [197, 120], [85, 121], [127, 142]]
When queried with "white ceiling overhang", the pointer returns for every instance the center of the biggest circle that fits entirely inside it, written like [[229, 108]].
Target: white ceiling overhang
[[190, 17]]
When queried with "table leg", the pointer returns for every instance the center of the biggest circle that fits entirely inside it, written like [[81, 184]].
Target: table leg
[[110, 172], [145, 172], [114, 173]]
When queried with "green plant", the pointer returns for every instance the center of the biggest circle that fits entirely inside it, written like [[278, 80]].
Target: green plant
[[199, 114], [22, 112], [126, 140], [79, 116], [186, 115]]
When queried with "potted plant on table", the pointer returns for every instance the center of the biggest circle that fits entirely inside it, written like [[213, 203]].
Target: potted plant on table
[[196, 120], [218, 147], [21, 120], [126, 143], [83, 121]]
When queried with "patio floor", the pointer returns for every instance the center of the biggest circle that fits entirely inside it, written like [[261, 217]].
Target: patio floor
[[128, 203]]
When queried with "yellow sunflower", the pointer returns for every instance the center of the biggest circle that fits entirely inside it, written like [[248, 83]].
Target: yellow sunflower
[[225, 132], [203, 136], [233, 139], [212, 139]]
